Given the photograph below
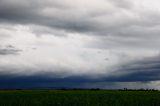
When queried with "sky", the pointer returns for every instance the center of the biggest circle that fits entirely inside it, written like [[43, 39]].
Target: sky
[[109, 44]]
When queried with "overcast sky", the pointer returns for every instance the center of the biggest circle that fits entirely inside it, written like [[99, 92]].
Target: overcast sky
[[80, 43]]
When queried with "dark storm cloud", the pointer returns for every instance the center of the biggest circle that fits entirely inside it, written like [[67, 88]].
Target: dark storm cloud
[[139, 73], [42, 81], [107, 17], [9, 50], [68, 15], [31, 12], [147, 69]]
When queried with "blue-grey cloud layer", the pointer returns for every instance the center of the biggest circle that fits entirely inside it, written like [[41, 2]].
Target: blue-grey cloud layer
[[143, 71]]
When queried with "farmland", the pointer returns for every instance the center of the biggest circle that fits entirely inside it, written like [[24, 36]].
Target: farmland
[[78, 98]]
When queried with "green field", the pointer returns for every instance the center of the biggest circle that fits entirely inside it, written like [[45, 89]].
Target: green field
[[78, 98]]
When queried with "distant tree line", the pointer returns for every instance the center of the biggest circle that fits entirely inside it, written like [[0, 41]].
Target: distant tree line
[[141, 89], [97, 89]]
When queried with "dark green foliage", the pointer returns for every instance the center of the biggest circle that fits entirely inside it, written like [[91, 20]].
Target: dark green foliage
[[78, 98]]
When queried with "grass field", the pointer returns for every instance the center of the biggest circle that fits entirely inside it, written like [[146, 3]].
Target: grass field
[[78, 98]]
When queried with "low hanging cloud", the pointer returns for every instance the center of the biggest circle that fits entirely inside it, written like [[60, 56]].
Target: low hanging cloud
[[9, 50], [143, 70]]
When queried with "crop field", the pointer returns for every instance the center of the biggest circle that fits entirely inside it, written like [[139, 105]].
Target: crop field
[[78, 98]]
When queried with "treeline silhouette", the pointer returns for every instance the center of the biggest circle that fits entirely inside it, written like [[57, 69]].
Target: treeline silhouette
[[98, 89], [141, 89]]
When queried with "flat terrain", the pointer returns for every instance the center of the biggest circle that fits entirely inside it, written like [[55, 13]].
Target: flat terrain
[[78, 98]]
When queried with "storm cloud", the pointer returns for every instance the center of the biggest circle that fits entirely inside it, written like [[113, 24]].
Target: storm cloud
[[115, 18], [80, 42]]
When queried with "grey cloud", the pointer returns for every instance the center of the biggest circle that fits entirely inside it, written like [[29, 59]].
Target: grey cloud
[[9, 50], [139, 73], [121, 23], [31, 12], [73, 17], [147, 69], [123, 3]]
